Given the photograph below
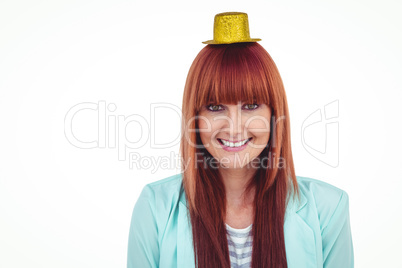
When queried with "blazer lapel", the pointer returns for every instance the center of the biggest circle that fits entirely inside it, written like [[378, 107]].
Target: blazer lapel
[[185, 252], [299, 237]]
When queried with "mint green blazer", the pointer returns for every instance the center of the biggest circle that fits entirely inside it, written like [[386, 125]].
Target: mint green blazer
[[317, 229]]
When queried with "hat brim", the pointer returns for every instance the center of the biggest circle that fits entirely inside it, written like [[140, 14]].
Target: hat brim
[[243, 41]]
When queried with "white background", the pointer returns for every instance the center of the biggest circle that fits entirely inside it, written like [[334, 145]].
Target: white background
[[66, 206]]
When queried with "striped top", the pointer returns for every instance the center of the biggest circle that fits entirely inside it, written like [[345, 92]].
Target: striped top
[[240, 243]]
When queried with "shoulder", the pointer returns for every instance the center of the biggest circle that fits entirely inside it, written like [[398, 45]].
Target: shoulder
[[149, 219], [167, 187], [163, 194], [158, 200], [319, 189], [323, 197]]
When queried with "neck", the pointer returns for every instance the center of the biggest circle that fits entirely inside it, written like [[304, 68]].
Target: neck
[[235, 182]]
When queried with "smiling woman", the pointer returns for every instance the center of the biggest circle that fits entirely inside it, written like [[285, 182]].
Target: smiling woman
[[240, 212]]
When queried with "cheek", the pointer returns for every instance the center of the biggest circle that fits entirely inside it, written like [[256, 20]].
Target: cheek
[[259, 128], [202, 124], [205, 130]]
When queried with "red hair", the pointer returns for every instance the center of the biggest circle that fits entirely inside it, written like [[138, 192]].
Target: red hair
[[229, 74]]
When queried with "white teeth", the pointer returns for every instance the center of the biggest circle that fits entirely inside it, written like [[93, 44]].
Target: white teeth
[[236, 144]]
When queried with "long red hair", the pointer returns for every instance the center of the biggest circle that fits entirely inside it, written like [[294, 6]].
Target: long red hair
[[227, 74]]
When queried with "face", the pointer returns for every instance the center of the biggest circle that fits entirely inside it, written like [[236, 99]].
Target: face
[[235, 134]]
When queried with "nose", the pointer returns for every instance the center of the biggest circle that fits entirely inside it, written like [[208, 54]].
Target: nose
[[234, 123]]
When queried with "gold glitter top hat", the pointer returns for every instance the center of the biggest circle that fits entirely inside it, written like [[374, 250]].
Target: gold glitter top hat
[[231, 27]]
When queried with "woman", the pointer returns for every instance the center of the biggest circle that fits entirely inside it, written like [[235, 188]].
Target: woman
[[238, 202]]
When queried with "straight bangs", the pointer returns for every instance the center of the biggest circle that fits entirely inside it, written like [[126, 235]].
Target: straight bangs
[[231, 74]]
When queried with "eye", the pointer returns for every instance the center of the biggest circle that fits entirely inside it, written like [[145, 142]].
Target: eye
[[251, 106], [217, 107], [214, 107]]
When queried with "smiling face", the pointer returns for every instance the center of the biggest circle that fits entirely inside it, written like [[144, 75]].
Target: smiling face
[[234, 134]]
